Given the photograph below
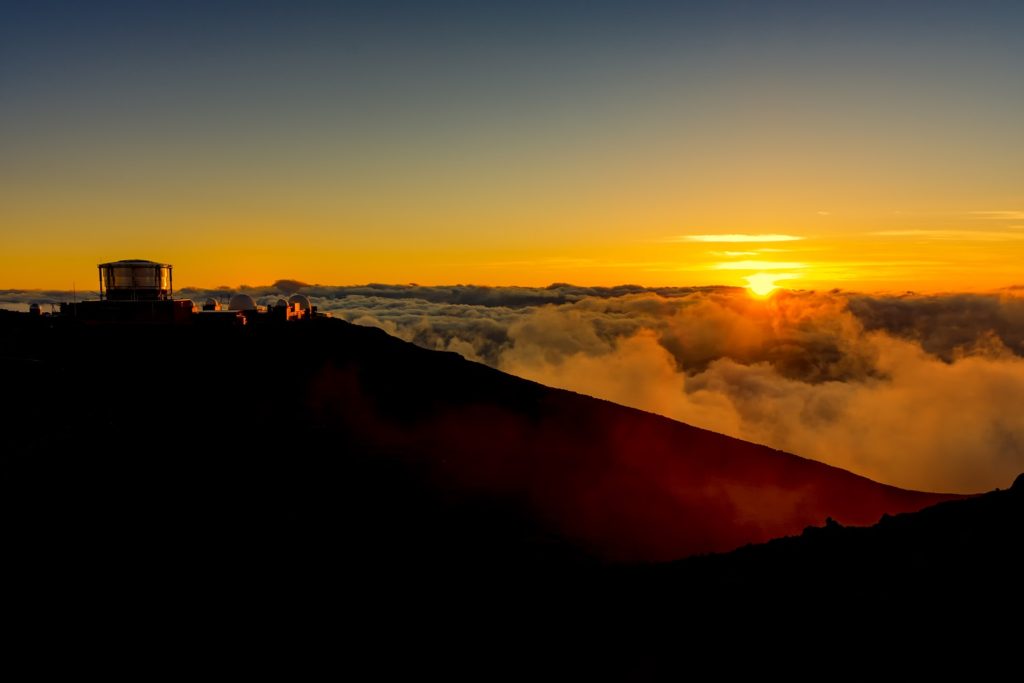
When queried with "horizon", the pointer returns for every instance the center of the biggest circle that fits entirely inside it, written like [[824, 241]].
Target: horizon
[[826, 375], [746, 286]]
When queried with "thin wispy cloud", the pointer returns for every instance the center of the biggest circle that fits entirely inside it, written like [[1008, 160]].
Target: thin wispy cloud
[[551, 262], [749, 252], [736, 238], [759, 265], [962, 235], [999, 215]]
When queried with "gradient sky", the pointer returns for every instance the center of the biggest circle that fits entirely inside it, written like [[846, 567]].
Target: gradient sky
[[863, 145]]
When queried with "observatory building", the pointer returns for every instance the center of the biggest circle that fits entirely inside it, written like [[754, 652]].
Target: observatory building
[[140, 291], [134, 290], [136, 280]]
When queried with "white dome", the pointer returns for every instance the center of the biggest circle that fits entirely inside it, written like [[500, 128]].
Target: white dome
[[242, 302]]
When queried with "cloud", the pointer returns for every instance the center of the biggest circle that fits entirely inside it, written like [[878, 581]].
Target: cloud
[[805, 376], [920, 422], [289, 286], [750, 252], [736, 237], [999, 215], [49, 300], [918, 391], [759, 265], [946, 326], [967, 235]]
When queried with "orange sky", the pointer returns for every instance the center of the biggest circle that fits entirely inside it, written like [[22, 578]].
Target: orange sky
[[524, 144], [985, 253]]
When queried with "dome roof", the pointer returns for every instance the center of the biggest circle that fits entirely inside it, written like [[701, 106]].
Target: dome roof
[[136, 262], [242, 302]]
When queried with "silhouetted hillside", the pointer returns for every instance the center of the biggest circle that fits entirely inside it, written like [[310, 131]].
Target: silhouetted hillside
[[267, 478], [342, 427], [958, 554], [938, 587]]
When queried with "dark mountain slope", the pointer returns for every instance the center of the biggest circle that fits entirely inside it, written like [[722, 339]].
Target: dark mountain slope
[[954, 555], [325, 440], [937, 586]]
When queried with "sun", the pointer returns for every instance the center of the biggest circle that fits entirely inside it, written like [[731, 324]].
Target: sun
[[763, 284]]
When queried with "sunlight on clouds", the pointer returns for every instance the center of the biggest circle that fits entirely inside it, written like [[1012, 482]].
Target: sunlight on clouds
[[759, 265], [751, 252], [763, 284], [736, 237]]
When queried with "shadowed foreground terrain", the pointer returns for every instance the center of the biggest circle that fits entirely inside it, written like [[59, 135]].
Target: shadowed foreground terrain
[[295, 472], [328, 425]]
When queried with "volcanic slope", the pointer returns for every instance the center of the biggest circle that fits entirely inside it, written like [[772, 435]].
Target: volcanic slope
[[325, 432]]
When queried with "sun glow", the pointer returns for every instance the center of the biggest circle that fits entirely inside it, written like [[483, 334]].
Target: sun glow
[[763, 284]]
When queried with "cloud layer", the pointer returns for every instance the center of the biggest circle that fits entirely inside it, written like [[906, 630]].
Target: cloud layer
[[916, 391]]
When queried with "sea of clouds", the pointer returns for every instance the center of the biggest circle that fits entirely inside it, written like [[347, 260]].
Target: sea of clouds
[[913, 390]]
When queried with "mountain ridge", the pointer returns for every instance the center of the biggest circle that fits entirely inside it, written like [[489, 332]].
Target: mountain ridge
[[309, 399]]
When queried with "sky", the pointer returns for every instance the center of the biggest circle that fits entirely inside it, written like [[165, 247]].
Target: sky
[[869, 146]]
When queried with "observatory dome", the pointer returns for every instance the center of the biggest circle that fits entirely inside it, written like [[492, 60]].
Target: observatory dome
[[242, 302]]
